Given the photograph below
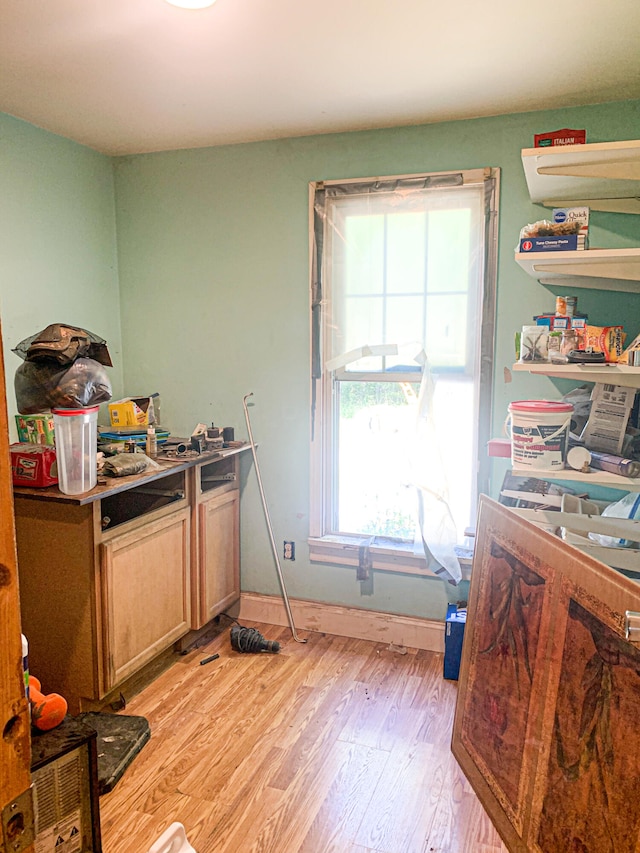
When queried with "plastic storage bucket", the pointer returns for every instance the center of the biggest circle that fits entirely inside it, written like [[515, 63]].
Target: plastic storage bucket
[[539, 431], [76, 438]]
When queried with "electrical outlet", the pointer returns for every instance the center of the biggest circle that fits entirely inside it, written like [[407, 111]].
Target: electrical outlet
[[289, 550]]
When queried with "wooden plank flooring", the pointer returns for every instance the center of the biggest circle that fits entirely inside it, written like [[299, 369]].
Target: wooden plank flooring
[[334, 746]]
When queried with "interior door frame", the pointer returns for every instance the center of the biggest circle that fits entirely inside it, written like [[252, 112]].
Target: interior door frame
[[15, 743]]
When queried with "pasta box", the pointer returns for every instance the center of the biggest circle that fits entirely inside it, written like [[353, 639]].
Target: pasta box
[[33, 465]]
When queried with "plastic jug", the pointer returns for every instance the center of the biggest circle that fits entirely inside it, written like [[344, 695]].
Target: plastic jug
[[76, 438]]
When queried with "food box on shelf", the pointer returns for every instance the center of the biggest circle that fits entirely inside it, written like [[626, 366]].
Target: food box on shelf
[[564, 243], [35, 429], [33, 465], [566, 136], [132, 411]]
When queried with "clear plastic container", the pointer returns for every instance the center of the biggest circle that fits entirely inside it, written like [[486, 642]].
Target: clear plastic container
[[76, 438]]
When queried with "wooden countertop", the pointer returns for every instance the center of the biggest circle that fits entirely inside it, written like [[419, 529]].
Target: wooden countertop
[[112, 485]]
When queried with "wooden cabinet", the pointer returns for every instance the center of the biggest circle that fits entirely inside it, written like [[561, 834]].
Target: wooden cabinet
[[217, 539], [92, 579], [145, 593], [546, 720], [112, 578]]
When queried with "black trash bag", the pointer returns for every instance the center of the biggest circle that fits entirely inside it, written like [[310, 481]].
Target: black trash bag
[[63, 344], [44, 385]]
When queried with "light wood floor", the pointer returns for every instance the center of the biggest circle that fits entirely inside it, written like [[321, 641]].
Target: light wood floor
[[336, 745]]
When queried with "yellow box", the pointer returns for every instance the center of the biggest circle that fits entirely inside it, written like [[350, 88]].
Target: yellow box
[[131, 412]]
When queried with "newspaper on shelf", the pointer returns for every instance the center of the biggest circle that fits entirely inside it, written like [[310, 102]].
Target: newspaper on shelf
[[607, 423]]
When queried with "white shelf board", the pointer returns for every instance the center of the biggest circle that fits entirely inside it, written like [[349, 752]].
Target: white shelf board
[[587, 174], [602, 269], [595, 478], [614, 374]]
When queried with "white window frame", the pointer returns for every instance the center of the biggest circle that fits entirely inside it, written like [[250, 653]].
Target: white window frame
[[325, 546]]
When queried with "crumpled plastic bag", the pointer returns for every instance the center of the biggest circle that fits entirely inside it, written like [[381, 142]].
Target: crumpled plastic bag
[[626, 507], [43, 385], [124, 464], [64, 344]]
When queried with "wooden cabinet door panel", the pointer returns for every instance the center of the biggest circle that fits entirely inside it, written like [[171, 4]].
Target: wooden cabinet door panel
[[146, 593], [588, 786], [549, 692], [498, 726], [219, 557]]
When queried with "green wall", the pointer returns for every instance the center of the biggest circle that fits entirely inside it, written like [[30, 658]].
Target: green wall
[[214, 284], [58, 261], [213, 274]]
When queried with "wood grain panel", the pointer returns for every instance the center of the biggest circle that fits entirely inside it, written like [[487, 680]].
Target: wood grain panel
[[15, 752], [146, 593], [546, 725], [219, 553]]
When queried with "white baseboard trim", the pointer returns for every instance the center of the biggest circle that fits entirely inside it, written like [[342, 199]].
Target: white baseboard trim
[[351, 622]]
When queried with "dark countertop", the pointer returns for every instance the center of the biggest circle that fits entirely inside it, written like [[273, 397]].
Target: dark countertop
[[112, 485]]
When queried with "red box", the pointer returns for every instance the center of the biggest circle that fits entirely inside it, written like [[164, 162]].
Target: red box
[[500, 447], [33, 465], [566, 136]]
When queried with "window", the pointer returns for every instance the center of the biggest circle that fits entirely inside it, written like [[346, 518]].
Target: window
[[403, 270]]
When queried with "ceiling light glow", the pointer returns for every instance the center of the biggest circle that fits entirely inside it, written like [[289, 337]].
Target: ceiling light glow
[[192, 4]]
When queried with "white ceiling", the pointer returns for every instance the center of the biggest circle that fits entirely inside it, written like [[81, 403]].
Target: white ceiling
[[130, 76]]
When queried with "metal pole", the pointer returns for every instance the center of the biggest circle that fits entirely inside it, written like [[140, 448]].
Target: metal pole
[[270, 528]]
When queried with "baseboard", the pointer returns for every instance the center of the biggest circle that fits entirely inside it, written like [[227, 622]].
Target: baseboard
[[352, 622]]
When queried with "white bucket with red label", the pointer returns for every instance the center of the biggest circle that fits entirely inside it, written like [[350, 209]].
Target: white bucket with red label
[[539, 431]]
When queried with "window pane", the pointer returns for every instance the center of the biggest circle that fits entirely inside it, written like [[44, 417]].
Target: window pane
[[377, 454], [449, 259], [364, 254], [374, 497], [405, 323], [405, 252], [447, 332]]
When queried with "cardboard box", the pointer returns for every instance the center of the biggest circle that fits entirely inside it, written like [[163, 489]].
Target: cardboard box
[[566, 136], [453, 638], [33, 465], [35, 429], [573, 215], [566, 243], [132, 411]]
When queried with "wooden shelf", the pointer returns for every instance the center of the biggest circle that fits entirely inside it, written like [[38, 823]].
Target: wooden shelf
[[595, 478], [605, 175], [601, 269], [616, 374]]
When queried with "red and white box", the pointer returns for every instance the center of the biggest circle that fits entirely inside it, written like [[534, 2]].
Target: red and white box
[[33, 465], [566, 136]]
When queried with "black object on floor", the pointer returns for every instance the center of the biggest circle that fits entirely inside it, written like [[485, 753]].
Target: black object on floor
[[120, 739]]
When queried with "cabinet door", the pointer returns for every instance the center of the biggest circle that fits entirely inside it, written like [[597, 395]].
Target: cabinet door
[[218, 553], [145, 574], [546, 722]]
